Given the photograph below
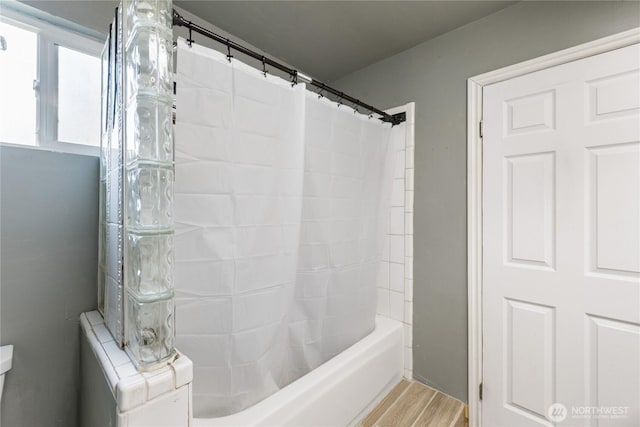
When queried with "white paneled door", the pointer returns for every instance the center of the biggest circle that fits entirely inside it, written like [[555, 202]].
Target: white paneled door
[[561, 256]]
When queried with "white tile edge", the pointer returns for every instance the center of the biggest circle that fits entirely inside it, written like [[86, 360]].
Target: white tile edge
[[180, 368], [407, 234]]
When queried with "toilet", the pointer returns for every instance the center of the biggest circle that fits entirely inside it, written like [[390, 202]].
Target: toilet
[[6, 355]]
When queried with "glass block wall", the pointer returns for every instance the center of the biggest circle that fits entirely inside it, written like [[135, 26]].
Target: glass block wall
[[144, 82], [110, 265]]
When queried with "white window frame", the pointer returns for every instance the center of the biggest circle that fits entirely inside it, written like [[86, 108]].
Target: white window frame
[[50, 36]]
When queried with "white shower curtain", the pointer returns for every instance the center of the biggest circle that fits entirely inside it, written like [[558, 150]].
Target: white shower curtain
[[280, 203]]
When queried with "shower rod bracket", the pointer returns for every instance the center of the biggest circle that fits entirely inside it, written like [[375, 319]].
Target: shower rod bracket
[[180, 21], [398, 118]]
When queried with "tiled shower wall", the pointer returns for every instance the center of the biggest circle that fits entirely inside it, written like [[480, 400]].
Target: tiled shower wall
[[395, 285]]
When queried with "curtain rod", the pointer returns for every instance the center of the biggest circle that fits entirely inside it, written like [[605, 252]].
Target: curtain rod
[[180, 21]]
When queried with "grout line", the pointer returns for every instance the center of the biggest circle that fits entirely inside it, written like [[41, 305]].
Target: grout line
[[425, 407], [394, 402]]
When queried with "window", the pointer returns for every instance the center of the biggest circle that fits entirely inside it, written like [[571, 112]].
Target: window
[[18, 71], [78, 98], [50, 79]]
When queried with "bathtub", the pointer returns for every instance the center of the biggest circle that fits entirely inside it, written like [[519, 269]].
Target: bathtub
[[339, 392]]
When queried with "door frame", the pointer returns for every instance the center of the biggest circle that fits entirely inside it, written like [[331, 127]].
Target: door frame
[[474, 188]]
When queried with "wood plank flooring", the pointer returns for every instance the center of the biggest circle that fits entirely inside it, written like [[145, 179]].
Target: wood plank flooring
[[411, 403]]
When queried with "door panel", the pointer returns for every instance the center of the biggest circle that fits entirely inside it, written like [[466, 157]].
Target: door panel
[[613, 181], [529, 345], [561, 243], [613, 352], [529, 210]]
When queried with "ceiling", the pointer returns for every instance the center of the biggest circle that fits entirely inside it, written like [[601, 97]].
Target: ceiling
[[325, 39], [330, 39], [93, 14]]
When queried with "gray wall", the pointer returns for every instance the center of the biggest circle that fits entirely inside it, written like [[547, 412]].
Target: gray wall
[[434, 74], [97, 406], [48, 265]]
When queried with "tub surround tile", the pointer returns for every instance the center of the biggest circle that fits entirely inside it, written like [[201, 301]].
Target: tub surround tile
[[191, 415], [126, 370], [115, 354], [159, 383], [397, 193], [398, 143], [408, 290], [410, 109], [385, 247], [408, 374], [408, 200], [387, 225], [172, 409], [102, 356], [122, 420], [408, 179], [183, 371], [410, 135], [408, 246], [396, 305], [408, 224], [102, 333], [408, 335], [397, 246], [136, 393], [408, 313], [408, 268], [396, 277], [409, 158], [396, 221], [383, 275], [111, 376], [94, 318], [130, 392], [400, 164], [383, 302], [408, 360]]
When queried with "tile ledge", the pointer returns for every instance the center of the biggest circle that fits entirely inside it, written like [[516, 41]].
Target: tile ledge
[[126, 385]]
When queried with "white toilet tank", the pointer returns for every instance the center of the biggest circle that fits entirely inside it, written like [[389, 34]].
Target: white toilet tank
[[6, 355]]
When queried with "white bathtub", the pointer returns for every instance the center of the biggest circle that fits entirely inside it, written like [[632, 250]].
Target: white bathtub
[[338, 393]]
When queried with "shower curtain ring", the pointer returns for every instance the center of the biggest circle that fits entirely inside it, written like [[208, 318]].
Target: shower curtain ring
[[294, 78], [229, 56], [264, 67], [320, 95], [190, 39], [340, 99]]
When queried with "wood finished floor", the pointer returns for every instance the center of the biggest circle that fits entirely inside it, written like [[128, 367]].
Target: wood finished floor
[[411, 403]]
